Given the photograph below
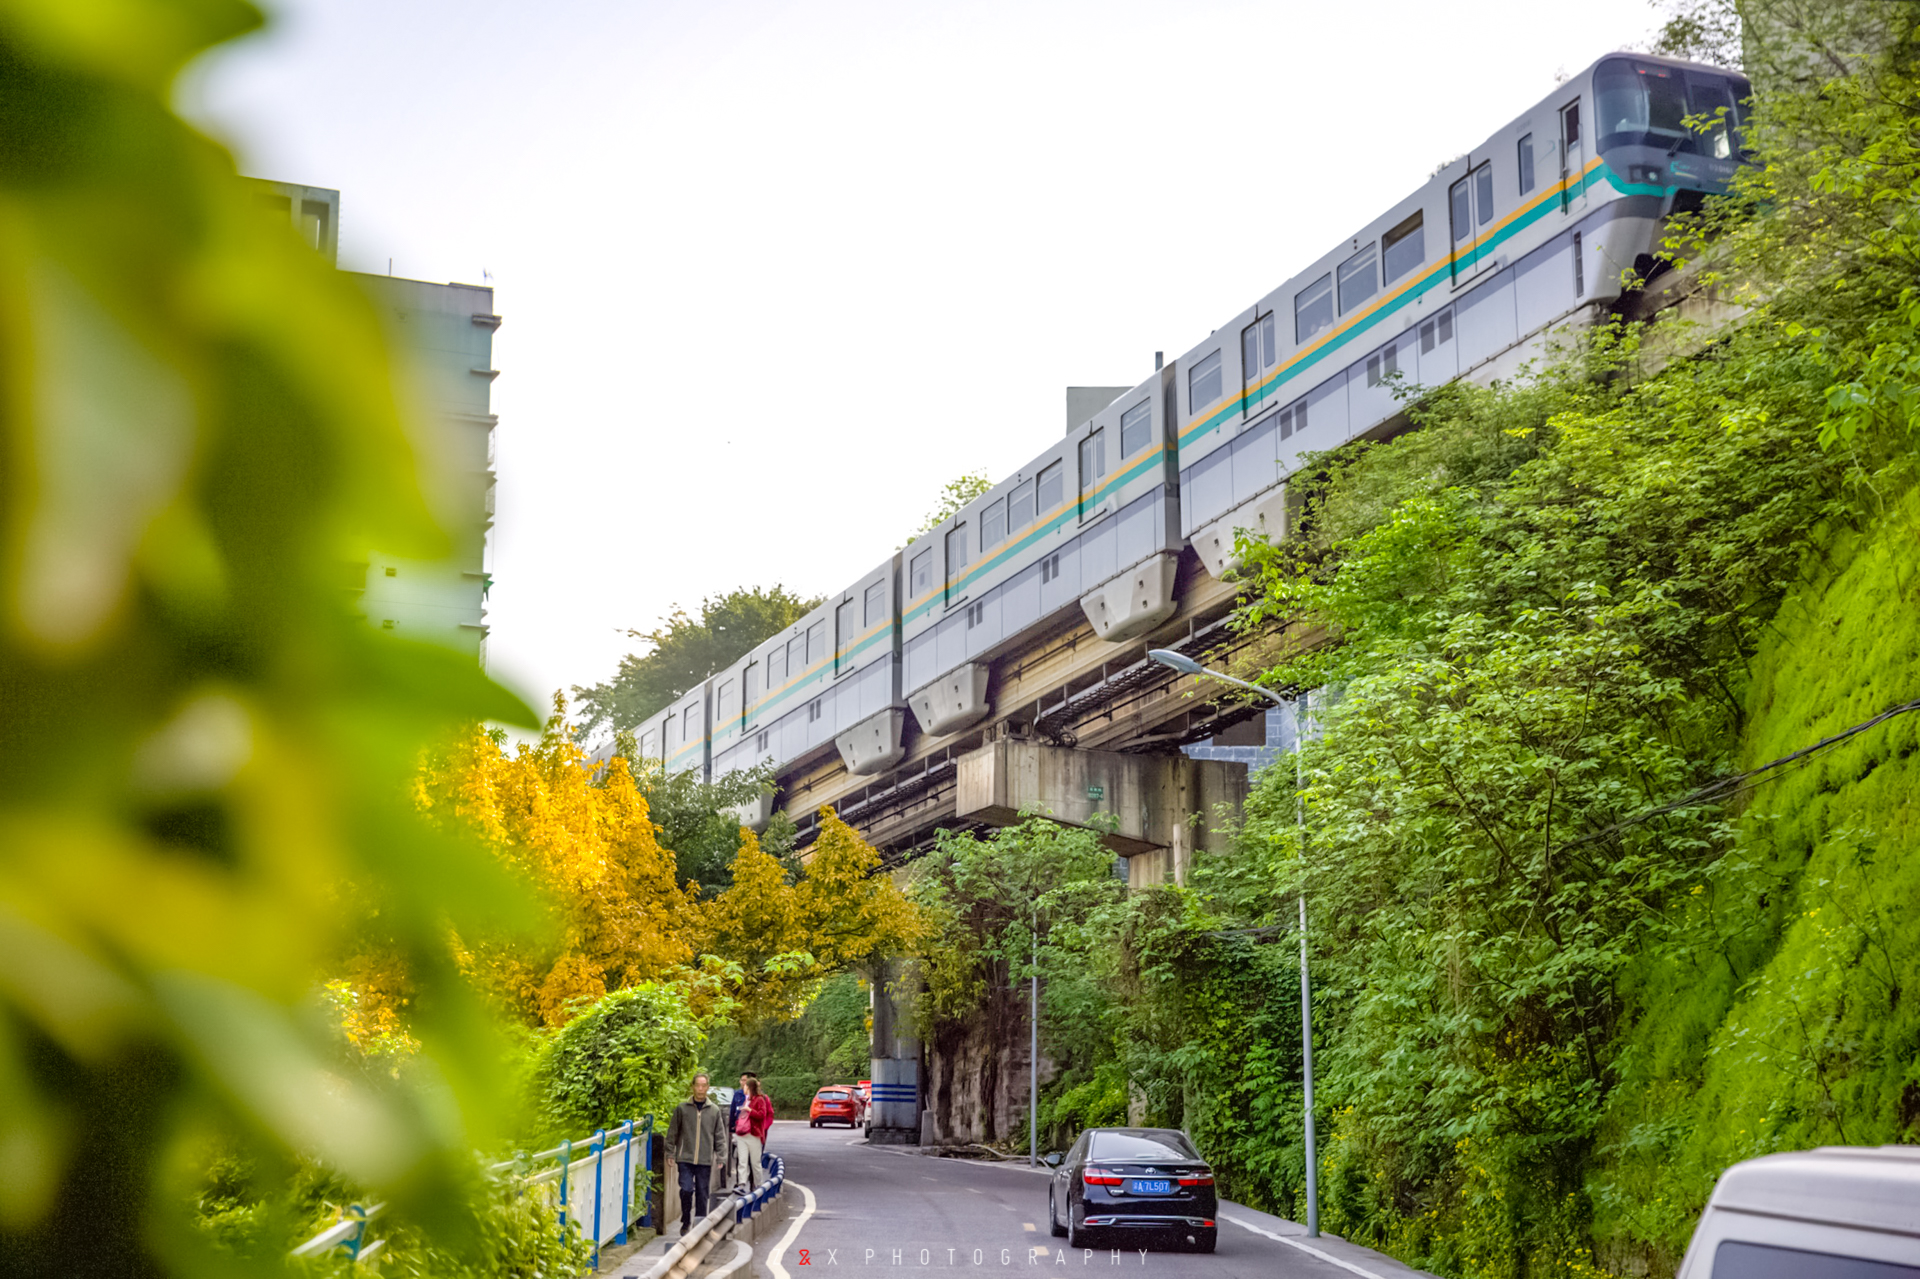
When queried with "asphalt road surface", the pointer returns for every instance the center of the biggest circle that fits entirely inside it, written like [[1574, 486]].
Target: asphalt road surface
[[875, 1211]]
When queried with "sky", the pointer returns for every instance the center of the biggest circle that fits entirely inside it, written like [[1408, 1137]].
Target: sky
[[773, 273]]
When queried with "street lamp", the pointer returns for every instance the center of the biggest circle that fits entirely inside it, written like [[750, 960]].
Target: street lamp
[[1187, 666]]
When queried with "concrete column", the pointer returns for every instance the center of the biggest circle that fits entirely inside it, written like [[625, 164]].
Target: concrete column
[[897, 1105]]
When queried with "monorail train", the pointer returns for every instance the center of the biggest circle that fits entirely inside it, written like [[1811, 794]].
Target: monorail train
[[1526, 235]]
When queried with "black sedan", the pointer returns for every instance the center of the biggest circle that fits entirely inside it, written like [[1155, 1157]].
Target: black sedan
[[1132, 1181]]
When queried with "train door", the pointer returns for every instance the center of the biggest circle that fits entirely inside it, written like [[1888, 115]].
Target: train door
[[1470, 216], [1258, 354], [1573, 159]]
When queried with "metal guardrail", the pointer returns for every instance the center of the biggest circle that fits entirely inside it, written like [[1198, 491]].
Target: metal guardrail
[[705, 1234], [603, 1217]]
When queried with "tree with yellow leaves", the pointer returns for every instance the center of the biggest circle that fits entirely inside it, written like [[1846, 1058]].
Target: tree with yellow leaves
[[582, 840], [789, 936]]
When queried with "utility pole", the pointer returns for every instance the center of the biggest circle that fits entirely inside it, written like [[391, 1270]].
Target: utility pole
[[1033, 1048], [1187, 666]]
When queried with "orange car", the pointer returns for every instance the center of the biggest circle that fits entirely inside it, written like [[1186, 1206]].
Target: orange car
[[834, 1104]]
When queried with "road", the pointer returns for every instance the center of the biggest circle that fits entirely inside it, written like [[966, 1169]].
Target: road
[[878, 1208]]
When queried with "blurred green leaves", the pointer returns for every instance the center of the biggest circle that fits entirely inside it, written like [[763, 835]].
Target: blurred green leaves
[[204, 753]]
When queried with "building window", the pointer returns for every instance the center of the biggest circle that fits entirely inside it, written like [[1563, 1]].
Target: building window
[[876, 604], [1523, 156], [921, 574], [1203, 384], [1136, 428], [993, 524], [1020, 510], [1359, 280], [1053, 488], [1313, 309], [1404, 247]]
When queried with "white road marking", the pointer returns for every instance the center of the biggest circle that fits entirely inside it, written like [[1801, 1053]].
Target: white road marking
[[793, 1232], [976, 1190], [1295, 1243], [1029, 1227]]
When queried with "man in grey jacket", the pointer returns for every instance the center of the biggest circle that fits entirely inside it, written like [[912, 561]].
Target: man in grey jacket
[[697, 1142]]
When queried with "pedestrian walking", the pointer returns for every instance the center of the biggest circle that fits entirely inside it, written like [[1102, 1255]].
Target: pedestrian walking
[[750, 1127], [696, 1141], [738, 1100]]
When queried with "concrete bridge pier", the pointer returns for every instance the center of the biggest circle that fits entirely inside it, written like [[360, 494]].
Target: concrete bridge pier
[[896, 1057], [1157, 811]]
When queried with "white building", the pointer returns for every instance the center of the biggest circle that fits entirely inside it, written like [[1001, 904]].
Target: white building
[[444, 334]]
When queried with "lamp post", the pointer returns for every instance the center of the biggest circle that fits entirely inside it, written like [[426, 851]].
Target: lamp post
[[1033, 1048], [1187, 666]]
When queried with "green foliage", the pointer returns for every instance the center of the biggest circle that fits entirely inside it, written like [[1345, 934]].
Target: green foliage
[[684, 650], [828, 1043], [202, 743], [626, 1054], [698, 821], [954, 494]]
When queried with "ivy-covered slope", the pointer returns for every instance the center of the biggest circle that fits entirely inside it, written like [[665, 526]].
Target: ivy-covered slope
[[1784, 1014]]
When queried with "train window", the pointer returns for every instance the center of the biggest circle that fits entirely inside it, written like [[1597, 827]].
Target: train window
[[1136, 427], [776, 667], [649, 745], [760, 740], [727, 707], [876, 604], [1712, 97], [1203, 384], [921, 575], [1313, 309], [1483, 193], [993, 524], [1383, 364], [1293, 418], [956, 554], [1579, 269], [1053, 488], [817, 643], [797, 656], [1020, 510], [1437, 332], [1523, 156], [689, 723], [1404, 247], [846, 629], [1460, 210], [1358, 280], [1572, 155], [1093, 466]]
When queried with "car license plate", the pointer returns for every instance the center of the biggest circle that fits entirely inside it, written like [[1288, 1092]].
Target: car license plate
[[1152, 1187]]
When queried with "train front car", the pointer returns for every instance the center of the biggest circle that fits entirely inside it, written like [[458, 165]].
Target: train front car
[[1088, 523], [1522, 240], [1664, 127]]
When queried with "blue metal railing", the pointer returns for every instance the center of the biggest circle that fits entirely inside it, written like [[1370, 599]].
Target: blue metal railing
[[753, 1203], [571, 1177]]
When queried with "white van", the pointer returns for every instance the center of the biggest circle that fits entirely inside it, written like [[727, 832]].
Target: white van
[[1839, 1212]]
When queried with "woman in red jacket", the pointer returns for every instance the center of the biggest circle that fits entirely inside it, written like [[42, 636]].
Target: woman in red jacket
[[750, 1128]]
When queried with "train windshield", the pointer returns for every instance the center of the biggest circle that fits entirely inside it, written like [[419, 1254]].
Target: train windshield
[[1681, 111]]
